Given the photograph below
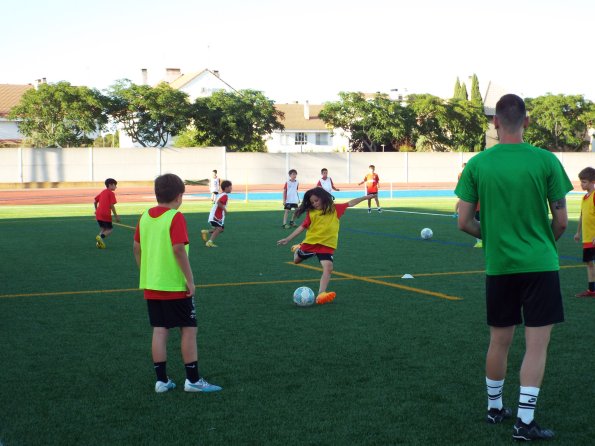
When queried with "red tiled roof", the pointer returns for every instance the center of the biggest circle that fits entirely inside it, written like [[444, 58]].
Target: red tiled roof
[[10, 95]]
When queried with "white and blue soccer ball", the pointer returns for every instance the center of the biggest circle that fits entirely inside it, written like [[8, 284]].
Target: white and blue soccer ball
[[304, 297], [426, 233]]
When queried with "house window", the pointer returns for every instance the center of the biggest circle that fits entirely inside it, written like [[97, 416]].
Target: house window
[[322, 139], [301, 139]]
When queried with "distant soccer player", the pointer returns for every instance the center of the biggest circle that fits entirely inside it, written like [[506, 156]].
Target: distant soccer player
[[322, 223], [214, 186], [372, 182], [104, 207], [291, 198], [585, 232], [161, 247], [326, 182], [217, 216]]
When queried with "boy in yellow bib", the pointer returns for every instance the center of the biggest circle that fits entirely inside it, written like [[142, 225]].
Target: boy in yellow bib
[[322, 223]]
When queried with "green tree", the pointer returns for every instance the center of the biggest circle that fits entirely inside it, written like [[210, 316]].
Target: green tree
[[466, 126], [150, 115], [371, 124], [559, 122], [431, 117], [457, 89], [240, 121], [60, 115], [475, 93]]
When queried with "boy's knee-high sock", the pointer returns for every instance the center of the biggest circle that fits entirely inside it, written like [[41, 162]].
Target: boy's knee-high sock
[[527, 403], [494, 389], [160, 371]]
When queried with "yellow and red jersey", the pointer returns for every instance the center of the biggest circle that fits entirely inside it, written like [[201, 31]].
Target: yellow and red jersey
[[588, 219]]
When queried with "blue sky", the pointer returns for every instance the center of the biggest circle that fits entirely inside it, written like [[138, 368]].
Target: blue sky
[[307, 50]]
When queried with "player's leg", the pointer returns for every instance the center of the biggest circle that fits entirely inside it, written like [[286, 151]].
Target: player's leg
[[369, 204], [325, 296], [496, 364], [218, 230], [285, 213], [377, 203], [188, 345]]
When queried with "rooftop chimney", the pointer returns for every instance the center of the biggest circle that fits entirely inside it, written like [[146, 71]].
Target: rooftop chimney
[[216, 73], [144, 76], [306, 111], [171, 74]]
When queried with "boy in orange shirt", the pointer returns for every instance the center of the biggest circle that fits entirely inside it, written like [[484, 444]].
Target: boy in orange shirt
[[372, 181]]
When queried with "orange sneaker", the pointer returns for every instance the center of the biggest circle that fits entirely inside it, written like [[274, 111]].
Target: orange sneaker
[[586, 294], [325, 298], [294, 248]]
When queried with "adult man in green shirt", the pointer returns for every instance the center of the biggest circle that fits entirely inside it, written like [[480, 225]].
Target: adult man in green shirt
[[515, 184]]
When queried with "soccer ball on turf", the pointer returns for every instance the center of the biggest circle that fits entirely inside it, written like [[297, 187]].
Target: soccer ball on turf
[[426, 233], [304, 297]]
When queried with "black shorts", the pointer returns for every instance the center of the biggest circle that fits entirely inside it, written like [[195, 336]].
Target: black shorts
[[172, 313], [105, 224], [588, 255], [289, 206], [533, 297], [321, 255], [216, 224], [372, 193]]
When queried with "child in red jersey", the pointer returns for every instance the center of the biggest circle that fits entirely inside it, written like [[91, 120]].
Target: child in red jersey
[[372, 182], [322, 223], [104, 207], [161, 247]]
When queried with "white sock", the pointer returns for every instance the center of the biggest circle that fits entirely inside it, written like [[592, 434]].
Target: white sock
[[527, 403], [494, 393]]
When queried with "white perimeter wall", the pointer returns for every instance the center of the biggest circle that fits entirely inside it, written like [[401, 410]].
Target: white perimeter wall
[[24, 165]]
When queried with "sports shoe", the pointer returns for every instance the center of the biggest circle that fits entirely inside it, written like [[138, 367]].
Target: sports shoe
[[325, 298], [369, 211], [379, 209], [200, 386], [204, 233], [100, 243], [291, 223], [210, 244], [478, 244], [496, 416], [286, 226], [586, 293], [294, 248], [161, 387], [531, 431]]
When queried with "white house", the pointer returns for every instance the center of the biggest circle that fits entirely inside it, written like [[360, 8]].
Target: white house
[[305, 131], [10, 95], [198, 84]]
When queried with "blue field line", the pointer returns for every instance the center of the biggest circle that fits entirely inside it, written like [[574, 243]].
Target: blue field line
[[274, 196]]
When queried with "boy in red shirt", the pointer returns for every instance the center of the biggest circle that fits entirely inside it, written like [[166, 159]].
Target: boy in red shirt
[[372, 181], [104, 206]]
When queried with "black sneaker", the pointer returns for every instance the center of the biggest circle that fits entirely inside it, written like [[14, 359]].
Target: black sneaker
[[531, 431], [496, 416]]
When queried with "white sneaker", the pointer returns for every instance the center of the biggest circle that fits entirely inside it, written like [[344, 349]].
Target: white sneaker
[[161, 387], [200, 386]]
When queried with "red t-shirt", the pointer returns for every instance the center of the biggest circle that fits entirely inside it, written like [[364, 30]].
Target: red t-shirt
[[318, 248], [371, 181], [105, 200], [179, 235]]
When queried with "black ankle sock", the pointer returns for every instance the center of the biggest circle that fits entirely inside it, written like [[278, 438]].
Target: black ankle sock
[[192, 371], [102, 235], [160, 371], [591, 286]]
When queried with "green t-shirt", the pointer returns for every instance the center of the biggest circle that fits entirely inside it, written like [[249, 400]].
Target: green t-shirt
[[513, 184]]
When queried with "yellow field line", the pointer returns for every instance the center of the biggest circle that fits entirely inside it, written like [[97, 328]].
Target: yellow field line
[[380, 282]]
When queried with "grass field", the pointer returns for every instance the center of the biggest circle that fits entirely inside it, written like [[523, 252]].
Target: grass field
[[392, 361]]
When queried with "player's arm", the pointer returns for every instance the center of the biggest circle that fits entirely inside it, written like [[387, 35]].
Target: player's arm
[[356, 201], [467, 222], [95, 204], [137, 252], [184, 263], [284, 194], [291, 236], [333, 185], [559, 217], [115, 213], [579, 229]]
